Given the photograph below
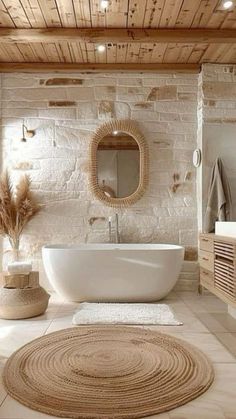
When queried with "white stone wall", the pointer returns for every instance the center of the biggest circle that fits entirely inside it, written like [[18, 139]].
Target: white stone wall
[[219, 124], [65, 110]]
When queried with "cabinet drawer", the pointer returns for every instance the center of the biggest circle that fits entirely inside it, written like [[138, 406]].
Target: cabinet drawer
[[206, 243], [206, 276], [206, 260]]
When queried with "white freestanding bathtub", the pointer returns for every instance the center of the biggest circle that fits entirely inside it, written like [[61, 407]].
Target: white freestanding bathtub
[[113, 272]]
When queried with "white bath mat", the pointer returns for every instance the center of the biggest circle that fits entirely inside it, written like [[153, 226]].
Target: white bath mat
[[125, 313]]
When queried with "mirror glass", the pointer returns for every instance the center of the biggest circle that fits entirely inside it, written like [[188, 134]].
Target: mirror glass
[[118, 165]]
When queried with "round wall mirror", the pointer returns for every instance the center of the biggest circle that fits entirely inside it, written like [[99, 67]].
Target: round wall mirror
[[119, 161]]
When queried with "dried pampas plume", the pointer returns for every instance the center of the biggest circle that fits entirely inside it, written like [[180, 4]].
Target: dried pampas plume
[[17, 208]]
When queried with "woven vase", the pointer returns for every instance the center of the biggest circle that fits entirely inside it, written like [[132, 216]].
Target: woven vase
[[16, 303]]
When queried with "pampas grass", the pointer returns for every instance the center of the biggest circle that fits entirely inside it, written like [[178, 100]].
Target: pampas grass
[[17, 208]]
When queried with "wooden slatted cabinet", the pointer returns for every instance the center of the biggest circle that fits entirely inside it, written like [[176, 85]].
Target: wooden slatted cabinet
[[217, 258]]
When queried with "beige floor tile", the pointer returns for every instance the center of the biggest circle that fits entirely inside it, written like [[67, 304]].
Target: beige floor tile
[[60, 324], [223, 391], [229, 341], [203, 303], [207, 343], [11, 409], [190, 324], [197, 410], [13, 337], [218, 322]]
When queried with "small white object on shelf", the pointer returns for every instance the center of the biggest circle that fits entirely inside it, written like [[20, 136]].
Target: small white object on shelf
[[23, 268]]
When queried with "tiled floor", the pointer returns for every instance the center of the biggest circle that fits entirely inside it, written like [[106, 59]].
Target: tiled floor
[[206, 325]]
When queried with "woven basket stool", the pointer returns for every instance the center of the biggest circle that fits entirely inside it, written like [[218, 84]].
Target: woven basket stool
[[22, 303]]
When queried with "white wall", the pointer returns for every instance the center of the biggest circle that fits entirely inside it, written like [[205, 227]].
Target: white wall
[[65, 110]]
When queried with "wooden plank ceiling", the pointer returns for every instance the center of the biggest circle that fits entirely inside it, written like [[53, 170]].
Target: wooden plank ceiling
[[189, 15]]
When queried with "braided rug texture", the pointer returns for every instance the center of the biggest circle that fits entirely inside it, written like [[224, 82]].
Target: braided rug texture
[[106, 372]]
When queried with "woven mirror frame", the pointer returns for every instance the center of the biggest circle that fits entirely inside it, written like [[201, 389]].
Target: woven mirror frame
[[129, 127]]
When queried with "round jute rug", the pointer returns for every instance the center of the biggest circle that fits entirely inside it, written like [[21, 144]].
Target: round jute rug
[[106, 372]]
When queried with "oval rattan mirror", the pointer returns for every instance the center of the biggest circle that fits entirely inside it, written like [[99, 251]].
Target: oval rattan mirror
[[119, 163]]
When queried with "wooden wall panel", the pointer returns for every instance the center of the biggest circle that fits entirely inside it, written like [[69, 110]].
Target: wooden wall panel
[[197, 53], [34, 13], [64, 52], [50, 13], [17, 13], [121, 53], [39, 52], [27, 52], [5, 18], [204, 13], [120, 13], [170, 13], [14, 53], [5, 56], [136, 13], [187, 13], [51, 53], [158, 53], [117, 14], [76, 53], [215, 53], [132, 55], [153, 14], [82, 13], [66, 12]]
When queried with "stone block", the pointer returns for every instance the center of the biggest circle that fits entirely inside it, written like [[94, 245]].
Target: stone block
[[62, 81], [134, 81], [147, 115], [221, 90], [19, 81], [106, 109], [34, 94], [61, 104], [105, 92], [61, 113], [165, 116], [163, 93], [25, 112], [188, 97], [188, 237], [73, 138], [176, 106], [87, 110], [142, 105], [80, 94]]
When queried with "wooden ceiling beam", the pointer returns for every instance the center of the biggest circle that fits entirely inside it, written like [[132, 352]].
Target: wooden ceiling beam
[[119, 35], [89, 67]]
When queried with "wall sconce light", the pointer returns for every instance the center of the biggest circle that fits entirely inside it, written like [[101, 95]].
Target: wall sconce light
[[27, 133]]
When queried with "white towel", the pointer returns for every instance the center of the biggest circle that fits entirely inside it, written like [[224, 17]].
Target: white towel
[[22, 268], [219, 205]]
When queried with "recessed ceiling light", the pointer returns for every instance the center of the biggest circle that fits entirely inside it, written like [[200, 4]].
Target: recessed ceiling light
[[228, 4], [104, 4], [115, 132], [101, 48]]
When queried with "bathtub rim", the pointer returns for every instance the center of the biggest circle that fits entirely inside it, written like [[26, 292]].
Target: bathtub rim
[[114, 246]]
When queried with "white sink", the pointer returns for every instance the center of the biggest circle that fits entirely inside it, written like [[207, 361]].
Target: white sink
[[225, 228]]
